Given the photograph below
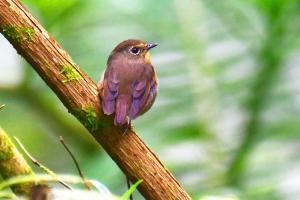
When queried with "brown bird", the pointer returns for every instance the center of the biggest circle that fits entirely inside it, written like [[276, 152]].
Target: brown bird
[[129, 85]]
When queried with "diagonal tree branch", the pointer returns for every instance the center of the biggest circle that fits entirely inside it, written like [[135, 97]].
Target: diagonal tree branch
[[80, 95]]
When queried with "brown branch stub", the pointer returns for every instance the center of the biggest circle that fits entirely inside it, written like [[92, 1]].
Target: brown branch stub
[[13, 164], [80, 96]]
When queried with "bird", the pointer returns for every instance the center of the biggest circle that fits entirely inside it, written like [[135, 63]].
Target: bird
[[129, 85]]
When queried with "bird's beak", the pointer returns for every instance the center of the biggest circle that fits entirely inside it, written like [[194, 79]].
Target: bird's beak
[[151, 45]]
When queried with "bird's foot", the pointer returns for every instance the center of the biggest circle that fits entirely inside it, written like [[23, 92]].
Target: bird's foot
[[128, 127]]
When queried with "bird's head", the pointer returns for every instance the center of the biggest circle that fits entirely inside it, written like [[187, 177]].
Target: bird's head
[[134, 50]]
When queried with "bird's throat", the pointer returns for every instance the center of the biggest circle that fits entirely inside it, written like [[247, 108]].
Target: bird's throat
[[147, 57]]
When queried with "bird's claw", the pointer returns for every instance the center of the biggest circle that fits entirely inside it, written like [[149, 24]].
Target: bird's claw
[[128, 127]]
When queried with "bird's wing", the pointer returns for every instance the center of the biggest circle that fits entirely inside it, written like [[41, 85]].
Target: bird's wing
[[151, 97], [143, 93], [109, 93], [134, 101], [115, 98]]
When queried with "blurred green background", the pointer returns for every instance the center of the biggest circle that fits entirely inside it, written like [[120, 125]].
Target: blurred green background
[[226, 121]]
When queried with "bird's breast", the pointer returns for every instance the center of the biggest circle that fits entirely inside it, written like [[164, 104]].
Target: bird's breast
[[128, 75]]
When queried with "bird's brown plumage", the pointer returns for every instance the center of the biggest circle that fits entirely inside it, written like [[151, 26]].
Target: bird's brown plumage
[[129, 85]]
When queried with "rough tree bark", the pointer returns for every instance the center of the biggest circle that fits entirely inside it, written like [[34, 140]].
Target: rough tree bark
[[80, 95]]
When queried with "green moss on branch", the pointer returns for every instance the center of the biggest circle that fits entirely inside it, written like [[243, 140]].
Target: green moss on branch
[[88, 117], [18, 34], [70, 74]]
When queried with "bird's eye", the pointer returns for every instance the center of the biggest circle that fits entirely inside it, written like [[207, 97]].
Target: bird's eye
[[135, 50]]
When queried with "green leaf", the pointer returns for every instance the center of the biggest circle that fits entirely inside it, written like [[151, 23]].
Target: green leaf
[[129, 192]]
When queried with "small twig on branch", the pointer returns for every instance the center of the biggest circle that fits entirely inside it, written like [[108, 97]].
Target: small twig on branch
[[86, 183], [37, 163]]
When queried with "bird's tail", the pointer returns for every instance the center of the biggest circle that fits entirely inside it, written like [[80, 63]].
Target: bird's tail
[[122, 107]]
